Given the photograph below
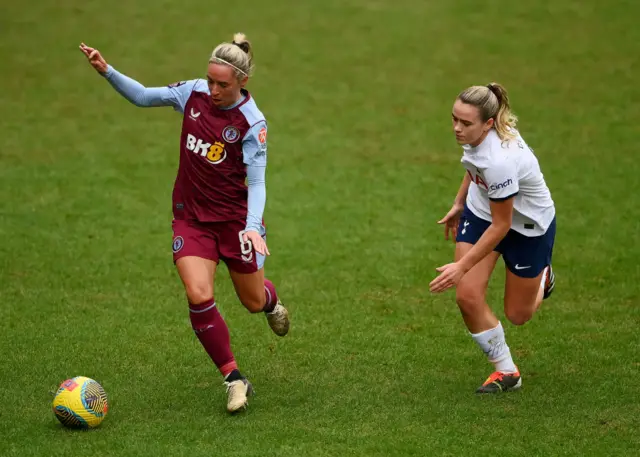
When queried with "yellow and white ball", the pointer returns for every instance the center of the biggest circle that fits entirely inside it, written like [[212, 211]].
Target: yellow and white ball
[[80, 402]]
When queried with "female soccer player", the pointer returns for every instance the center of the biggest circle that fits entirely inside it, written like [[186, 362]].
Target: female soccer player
[[503, 207], [216, 215]]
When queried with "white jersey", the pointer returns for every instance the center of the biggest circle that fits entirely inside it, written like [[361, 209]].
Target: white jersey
[[500, 170]]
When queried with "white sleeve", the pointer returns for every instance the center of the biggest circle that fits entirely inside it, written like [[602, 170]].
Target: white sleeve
[[181, 91], [175, 95], [254, 145], [502, 180]]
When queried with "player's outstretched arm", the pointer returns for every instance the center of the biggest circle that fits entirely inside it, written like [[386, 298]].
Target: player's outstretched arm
[[129, 88]]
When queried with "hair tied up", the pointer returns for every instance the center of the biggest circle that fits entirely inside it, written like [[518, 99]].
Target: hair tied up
[[496, 108], [244, 46], [496, 91]]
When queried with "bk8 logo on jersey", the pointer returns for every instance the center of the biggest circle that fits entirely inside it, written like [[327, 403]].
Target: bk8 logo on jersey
[[214, 153]]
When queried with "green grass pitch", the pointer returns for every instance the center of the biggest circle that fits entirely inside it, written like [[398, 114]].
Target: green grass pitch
[[362, 163]]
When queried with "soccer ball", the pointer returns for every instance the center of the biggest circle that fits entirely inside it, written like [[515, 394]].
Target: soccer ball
[[80, 402]]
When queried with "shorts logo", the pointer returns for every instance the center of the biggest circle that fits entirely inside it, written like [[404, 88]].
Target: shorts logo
[[178, 243], [464, 227], [230, 134]]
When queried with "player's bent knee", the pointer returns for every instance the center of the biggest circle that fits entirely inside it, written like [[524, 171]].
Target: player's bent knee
[[198, 292], [518, 316]]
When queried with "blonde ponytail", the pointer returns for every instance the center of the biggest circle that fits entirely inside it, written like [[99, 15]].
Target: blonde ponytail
[[493, 102], [504, 121]]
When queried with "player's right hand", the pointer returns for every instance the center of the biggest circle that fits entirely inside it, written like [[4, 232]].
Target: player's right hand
[[95, 58], [451, 221], [257, 242]]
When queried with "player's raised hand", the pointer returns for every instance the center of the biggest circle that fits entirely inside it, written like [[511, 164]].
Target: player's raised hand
[[257, 241], [95, 58], [451, 221]]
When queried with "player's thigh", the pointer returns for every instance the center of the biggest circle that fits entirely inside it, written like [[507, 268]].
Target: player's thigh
[[191, 239], [250, 289], [195, 253], [472, 288], [520, 297], [525, 259], [197, 275], [245, 266], [527, 256]]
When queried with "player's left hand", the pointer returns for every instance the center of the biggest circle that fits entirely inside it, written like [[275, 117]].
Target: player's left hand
[[257, 241], [95, 58], [450, 275]]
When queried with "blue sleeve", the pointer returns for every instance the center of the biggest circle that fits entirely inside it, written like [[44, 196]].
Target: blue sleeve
[[257, 197], [175, 95], [254, 145]]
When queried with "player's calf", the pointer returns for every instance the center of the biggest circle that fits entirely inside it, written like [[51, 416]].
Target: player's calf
[[213, 333], [253, 305], [277, 315], [250, 290], [522, 297]]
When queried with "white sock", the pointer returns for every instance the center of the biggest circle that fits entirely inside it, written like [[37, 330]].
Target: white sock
[[494, 345]]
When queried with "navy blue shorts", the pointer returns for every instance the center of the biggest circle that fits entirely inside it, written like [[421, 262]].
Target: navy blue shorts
[[524, 256]]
